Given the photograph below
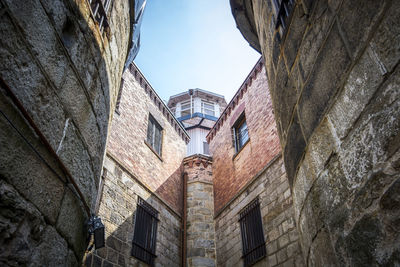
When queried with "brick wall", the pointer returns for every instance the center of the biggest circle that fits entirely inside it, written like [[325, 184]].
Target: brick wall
[[231, 172], [129, 132], [276, 205], [117, 208]]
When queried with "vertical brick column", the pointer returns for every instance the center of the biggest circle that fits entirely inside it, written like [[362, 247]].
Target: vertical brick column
[[200, 211]]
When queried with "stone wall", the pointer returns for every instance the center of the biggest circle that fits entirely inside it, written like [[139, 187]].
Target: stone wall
[[334, 80], [117, 208], [66, 77], [200, 210], [127, 141], [276, 204], [233, 170]]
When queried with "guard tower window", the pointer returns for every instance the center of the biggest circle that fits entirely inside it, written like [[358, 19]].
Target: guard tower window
[[207, 108], [145, 233], [154, 135], [99, 12], [185, 108], [253, 243]]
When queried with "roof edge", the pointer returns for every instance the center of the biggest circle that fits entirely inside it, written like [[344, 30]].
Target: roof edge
[[244, 18], [144, 83]]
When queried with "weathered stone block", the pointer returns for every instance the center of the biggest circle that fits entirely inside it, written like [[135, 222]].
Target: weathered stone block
[[294, 147], [361, 85], [323, 83], [73, 230], [386, 42], [357, 27]]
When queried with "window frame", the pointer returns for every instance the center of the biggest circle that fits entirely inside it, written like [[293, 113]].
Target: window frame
[[252, 233], [203, 108], [191, 106], [145, 232], [151, 143], [236, 133]]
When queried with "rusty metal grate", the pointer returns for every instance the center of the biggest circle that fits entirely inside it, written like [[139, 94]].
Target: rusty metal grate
[[253, 243], [99, 12], [145, 234]]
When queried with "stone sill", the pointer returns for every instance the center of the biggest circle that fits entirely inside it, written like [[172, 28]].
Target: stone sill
[[237, 153], [152, 149]]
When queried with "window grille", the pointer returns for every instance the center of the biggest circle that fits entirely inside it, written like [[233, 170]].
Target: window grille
[[154, 135], [145, 234], [253, 243], [284, 8], [99, 11]]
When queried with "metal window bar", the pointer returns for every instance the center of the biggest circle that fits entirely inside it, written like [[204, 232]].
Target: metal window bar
[[285, 9], [253, 243], [145, 235], [99, 11]]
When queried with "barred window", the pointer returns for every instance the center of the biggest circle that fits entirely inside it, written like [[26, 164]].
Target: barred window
[[145, 233], [99, 12], [253, 243], [283, 9]]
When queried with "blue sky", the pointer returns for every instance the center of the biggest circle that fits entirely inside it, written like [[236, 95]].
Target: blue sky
[[193, 44]]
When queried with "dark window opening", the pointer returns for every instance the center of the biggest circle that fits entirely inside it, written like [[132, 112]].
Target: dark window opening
[[253, 243], [284, 9], [145, 233], [154, 135], [99, 11], [240, 133]]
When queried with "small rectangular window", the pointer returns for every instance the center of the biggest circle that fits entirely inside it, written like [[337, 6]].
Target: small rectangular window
[[240, 133], [185, 108], [99, 12], [253, 243], [283, 10], [206, 150], [145, 233], [207, 108], [154, 135]]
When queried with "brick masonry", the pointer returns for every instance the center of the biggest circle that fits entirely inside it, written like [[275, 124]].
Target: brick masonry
[[66, 76], [200, 210], [280, 232], [162, 174], [117, 210], [231, 172], [334, 81]]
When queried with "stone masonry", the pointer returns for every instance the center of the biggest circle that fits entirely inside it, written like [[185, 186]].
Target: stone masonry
[[65, 74], [200, 210], [117, 209], [334, 80], [276, 204]]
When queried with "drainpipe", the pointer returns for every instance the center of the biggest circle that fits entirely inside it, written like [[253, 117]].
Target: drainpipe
[[191, 101], [184, 218]]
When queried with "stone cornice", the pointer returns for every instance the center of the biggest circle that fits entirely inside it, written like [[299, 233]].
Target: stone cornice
[[236, 99], [196, 160], [135, 71]]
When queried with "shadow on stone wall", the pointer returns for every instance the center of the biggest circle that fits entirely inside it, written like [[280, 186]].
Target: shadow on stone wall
[[52, 62], [118, 211]]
